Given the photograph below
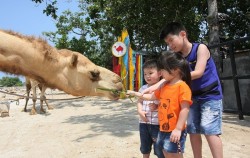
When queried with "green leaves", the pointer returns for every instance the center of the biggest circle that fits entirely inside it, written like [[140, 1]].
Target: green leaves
[[51, 8], [93, 30], [121, 94], [10, 81]]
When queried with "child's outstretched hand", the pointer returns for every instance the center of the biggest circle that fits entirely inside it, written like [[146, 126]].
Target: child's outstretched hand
[[133, 93]]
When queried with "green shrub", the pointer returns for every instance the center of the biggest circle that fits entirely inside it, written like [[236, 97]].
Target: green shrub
[[10, 81]]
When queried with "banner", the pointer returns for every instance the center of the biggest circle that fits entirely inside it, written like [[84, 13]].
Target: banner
[[129, 64]]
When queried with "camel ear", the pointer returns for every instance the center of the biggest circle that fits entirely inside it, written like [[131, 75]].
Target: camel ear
[[73, 60]]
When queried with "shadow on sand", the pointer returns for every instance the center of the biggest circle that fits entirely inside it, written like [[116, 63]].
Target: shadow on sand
[[234, 119], [118, 118]]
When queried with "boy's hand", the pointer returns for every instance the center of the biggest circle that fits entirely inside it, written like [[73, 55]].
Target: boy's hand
[[153, 106], [142, 115], [175, 135]]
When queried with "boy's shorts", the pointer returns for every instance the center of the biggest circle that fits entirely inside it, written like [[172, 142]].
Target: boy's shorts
[[148, 136], [205, 117], [163, 141]]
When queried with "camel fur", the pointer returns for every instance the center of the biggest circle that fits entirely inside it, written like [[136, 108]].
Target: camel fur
[[64, 69]]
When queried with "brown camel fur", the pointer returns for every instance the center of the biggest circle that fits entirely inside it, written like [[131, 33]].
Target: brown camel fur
[[65, 70], [32, 84]]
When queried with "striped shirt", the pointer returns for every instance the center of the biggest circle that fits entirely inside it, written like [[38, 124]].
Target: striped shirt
[[152, 116]]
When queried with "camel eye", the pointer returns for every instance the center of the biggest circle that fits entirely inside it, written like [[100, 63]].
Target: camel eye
[[95, 75]]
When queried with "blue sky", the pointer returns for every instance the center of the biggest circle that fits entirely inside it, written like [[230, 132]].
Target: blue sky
[[26, 17]]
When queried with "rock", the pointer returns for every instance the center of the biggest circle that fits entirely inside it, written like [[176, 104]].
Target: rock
[[4, 108], [5, 114]]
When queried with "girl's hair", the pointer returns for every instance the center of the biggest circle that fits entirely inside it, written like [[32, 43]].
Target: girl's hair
[[171, 61], [172, 28]]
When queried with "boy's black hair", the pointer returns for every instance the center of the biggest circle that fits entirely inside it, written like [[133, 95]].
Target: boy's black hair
[[150, 63], [172, 28], [171, 61]]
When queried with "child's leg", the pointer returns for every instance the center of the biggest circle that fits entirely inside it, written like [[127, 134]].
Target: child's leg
[[196, 143], [173, 155], [193, 128], [171, 149], [146, 155], [215, 145], [146, 140], [211, 122], [157, 149]]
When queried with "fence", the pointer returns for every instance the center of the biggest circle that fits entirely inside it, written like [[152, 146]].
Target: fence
[[229, 50]]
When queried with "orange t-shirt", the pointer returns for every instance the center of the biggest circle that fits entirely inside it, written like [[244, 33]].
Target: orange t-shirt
[[170, 97]]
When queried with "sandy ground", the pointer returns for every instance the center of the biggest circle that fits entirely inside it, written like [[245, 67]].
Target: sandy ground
[[94, 127]]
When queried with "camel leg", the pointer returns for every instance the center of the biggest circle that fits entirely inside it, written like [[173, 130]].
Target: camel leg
[[33, 110], [50, 107], [42, 98], [28, 87]]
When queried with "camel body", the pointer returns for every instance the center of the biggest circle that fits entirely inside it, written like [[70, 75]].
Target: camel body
[[65, 70]]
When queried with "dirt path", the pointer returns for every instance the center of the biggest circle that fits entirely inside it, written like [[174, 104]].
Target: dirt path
[[94, 127]]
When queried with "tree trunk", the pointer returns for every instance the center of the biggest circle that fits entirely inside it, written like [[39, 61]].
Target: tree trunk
[[213, 33]]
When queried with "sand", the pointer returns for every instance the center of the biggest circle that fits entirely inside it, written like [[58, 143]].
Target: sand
[[93, 127]]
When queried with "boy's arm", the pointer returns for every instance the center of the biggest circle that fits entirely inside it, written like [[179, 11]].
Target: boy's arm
[[176, 133], [203, 55], [141, 113], [152, 88]]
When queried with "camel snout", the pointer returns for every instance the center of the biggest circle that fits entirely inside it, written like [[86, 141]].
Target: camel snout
[[117, 79]]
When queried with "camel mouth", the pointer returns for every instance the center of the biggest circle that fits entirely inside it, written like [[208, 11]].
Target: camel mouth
[[118, 94], [114, 94]]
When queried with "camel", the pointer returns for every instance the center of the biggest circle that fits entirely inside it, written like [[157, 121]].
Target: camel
[[66, 70], [32, 84]]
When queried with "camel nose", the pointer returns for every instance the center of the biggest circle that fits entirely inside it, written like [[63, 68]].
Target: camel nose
[[120, 86], [117, 79]]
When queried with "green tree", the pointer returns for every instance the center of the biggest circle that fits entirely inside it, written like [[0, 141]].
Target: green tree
[[10, 81], [99, 23], [74, 33], [236, 23], [51, 7]]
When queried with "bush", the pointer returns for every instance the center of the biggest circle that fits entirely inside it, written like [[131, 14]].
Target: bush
[[10, 81]]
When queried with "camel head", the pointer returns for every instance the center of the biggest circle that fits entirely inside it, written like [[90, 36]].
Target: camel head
[[86, 78], [63, 69]]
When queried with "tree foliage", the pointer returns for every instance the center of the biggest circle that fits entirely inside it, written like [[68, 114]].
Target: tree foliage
[[51, 7], [10, 81], [236, 23], [143, 19], [94, 29]]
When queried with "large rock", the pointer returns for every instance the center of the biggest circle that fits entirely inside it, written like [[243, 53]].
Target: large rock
[[4, 108]]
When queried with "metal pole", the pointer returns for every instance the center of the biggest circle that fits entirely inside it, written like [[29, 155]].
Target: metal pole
[[236, 83]]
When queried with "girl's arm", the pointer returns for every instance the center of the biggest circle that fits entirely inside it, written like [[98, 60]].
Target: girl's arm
[[176, 133], [152, 88], [142, 96], [203, 55]]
